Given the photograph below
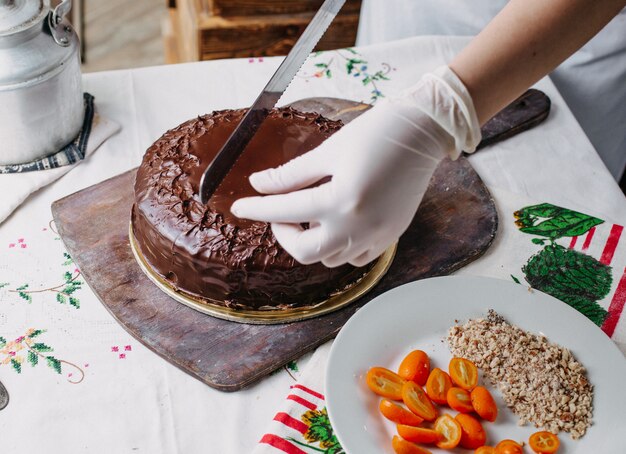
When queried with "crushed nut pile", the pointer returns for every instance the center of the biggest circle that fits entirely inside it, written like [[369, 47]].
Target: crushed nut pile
[[541, 382]]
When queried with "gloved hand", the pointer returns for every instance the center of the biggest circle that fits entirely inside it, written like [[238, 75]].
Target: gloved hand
[[380, 165]]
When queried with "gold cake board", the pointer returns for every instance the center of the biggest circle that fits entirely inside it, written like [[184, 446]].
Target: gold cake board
[[268, 316]]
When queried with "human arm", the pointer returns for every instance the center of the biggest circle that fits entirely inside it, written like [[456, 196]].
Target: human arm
[[381, 163], [523, 43]]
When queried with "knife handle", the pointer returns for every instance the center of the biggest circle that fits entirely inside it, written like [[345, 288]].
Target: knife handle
[[524, 113]]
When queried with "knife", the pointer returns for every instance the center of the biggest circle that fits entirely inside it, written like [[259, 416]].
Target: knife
[[258, 112]]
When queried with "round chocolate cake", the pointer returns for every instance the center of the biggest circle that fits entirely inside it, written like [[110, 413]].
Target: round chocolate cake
[[204, 250]]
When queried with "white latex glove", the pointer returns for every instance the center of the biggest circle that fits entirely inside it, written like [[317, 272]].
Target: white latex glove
[[380, 165]]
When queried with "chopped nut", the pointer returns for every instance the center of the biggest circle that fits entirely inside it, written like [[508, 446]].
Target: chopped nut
[[541, 382]]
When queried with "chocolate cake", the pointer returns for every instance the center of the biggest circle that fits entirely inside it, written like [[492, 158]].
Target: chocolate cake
[[204, 250]]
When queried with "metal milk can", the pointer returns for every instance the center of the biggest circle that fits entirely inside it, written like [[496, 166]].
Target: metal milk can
[[41, 100]]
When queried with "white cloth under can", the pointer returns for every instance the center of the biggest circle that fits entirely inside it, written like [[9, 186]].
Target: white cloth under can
[[592, 81]]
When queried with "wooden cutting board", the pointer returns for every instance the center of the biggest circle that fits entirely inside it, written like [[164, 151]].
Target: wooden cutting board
[[454, 225]]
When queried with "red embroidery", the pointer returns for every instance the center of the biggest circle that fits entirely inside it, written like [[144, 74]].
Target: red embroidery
[[616, 307], [611, 244], [301, 401], [588, 238], [291, 422], [308, 390], [282, 444]]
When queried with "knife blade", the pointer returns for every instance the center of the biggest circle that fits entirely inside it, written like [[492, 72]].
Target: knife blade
[[258, 112]]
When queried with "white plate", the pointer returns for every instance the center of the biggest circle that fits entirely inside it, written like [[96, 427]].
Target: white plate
[[418, 316]]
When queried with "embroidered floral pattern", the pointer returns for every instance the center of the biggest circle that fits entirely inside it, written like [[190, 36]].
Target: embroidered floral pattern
[[64, 291], [355, 65], [121, 352], [21, 243], [25, 349], [319, 432]]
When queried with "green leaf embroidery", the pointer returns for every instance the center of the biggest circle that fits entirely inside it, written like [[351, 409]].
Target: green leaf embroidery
[[351, 63], [538, 241], [380, 76], [516, 280], [54, 363], [321, 65], [292, 366], [329, 74], [554, 222], [36, 333], [25, 296], [571, 276], [71, 287], [33, 352], [68, 259], [543, 210], [321, 431], [564, 225], [376, 96], [3, 284], [17, 366], [592, 310], [75, 302], [21, 292], [3, 342], [33, 359], [41, 347]]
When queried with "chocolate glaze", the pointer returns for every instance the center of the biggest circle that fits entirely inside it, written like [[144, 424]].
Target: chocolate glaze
[[205, 250]]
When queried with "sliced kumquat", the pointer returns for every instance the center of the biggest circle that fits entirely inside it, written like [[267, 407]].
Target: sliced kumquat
[[418, 402], [401, 446], [437, 386], [460, 400], [385, 383], [485, 450], [398, 414], [472, 433], [484, 404], [543, 442], [415, 367], [450, 431], [418, 434], [509, 447], [464, 373]]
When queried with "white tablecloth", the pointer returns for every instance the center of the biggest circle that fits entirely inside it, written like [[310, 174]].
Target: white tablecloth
[[130, 400]]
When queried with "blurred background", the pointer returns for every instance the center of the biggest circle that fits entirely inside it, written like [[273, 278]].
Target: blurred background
[[118, 34]]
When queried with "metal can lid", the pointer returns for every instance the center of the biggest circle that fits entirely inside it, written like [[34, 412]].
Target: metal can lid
[[16, 15]]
